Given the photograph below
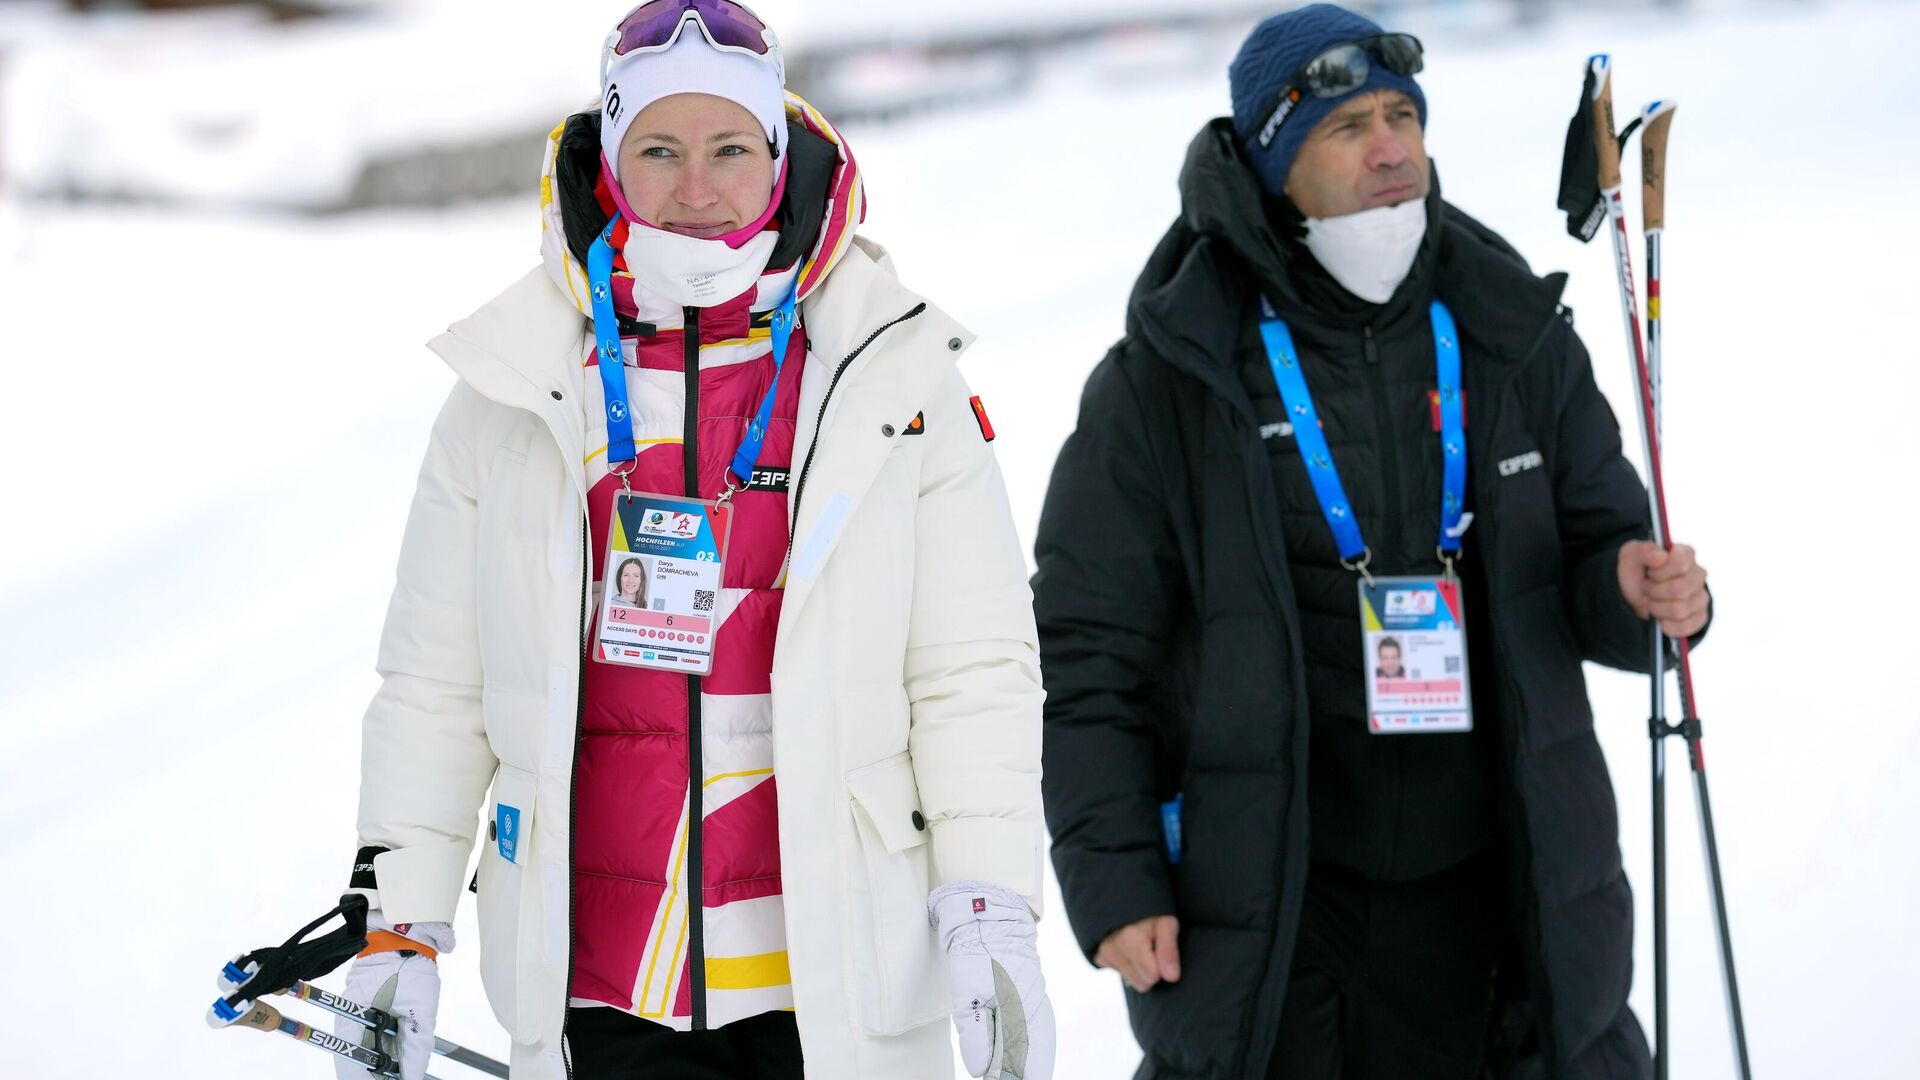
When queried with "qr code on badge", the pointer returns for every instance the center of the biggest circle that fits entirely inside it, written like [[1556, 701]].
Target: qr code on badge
[[1453, 665], [703, 599]]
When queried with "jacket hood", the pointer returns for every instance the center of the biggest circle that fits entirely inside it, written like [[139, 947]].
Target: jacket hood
[[823, 204], [1232, 243]]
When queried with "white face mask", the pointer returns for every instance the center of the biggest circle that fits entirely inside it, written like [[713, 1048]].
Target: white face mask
[[686, 271], [1371, 252]]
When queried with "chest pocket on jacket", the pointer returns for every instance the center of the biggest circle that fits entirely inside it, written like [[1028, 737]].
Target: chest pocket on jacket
[[895, 955]]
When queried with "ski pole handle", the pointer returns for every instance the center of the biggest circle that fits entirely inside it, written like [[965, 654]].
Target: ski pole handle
[[1655, 119], [1605, 142]]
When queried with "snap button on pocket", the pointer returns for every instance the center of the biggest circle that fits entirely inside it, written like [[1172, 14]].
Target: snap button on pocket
[[886, 430], [493, 832], [919, 821]]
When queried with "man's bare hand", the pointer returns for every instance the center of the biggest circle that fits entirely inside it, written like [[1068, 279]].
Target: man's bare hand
[[1144, 953], [1670, 586]]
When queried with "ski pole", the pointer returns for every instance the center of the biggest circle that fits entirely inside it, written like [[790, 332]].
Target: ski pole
[[1658, 118], [1601, 108], [383, 1022], [264, 1017], [235, 977], [455, 1052]]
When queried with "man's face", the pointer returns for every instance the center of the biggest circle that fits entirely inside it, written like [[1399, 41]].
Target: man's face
[[1367, 153], [1390, 659]]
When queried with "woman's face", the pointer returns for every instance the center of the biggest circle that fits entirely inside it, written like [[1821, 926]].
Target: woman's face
[[630, 581], [697, 165]]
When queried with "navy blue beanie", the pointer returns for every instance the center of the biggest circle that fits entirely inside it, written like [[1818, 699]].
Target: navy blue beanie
[[1274, 53]]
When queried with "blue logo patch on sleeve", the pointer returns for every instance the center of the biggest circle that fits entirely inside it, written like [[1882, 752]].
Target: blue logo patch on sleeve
[[507, 827]]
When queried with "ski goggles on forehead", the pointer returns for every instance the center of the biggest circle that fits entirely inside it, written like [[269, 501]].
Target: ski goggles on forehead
[[658, 24], [1342, 70]]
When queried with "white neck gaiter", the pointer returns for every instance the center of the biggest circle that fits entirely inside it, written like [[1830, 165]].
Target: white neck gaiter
[[686, 271], [1370, 253]]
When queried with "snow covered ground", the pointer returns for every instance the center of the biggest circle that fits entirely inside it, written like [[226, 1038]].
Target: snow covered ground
[[246, 396]]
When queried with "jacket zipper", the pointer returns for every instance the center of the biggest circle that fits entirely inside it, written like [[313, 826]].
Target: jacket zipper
[[1389, 440], [1390, 515], [573, 768], [696, 772], [1273, 552], [800, 484]]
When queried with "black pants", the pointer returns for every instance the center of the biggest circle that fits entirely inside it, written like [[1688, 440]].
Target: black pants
[[607, 1044], [1391, 981]]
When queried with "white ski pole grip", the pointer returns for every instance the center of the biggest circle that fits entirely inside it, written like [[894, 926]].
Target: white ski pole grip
[[1604, 139], [1654, 125]]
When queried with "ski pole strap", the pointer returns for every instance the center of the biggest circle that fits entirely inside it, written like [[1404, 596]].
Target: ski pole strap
[[296, 959], [1317, 456], [613, 374], [1580, 158]]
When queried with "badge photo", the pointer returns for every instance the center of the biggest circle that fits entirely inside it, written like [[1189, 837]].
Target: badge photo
[[628, 583]]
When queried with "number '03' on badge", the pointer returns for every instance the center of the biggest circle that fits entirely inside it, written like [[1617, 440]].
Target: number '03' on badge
[[1415, 637], [661, 585]]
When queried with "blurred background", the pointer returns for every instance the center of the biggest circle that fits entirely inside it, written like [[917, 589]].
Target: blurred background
[[226, 229]]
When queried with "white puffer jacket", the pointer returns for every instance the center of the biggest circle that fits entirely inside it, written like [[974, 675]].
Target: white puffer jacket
[[906, 686]]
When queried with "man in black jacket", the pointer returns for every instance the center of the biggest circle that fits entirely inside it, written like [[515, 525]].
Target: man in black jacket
[[1289, 887]]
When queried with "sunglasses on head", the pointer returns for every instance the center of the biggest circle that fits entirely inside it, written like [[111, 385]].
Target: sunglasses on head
[[656, 25]]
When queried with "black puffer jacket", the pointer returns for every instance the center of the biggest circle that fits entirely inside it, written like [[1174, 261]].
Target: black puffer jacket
[[1172, 641]]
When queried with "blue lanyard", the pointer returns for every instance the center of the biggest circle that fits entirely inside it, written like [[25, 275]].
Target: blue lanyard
[[613, 372], [1318, 457]]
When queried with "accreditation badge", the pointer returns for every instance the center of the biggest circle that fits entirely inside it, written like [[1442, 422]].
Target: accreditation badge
[[1415, 636], [662, 582]]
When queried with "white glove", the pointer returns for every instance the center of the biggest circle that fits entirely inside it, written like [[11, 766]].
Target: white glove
[[404, 984], [1000, 1005]]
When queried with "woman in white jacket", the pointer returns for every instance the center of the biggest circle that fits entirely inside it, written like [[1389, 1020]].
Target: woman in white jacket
[[837, 606]]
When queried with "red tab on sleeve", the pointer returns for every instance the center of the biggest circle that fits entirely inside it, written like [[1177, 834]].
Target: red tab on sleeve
[[980, 414]]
